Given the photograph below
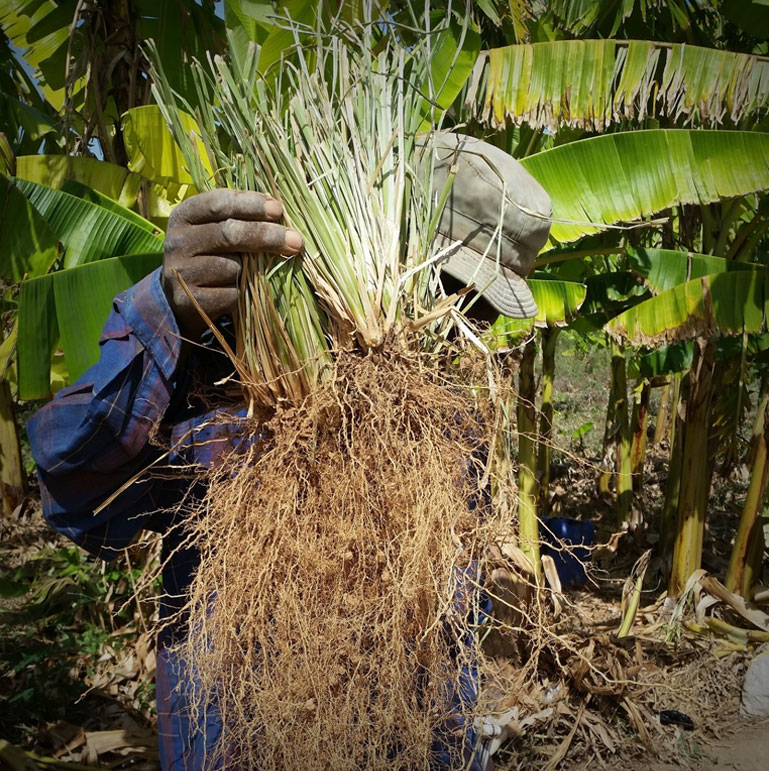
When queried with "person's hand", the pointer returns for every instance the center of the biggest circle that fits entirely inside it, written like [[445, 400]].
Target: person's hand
[[206, 236]]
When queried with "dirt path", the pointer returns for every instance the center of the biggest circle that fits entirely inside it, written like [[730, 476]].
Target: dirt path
[[746, 750]]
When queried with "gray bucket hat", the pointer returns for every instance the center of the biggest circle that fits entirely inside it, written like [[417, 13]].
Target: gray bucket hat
[[500, 215]]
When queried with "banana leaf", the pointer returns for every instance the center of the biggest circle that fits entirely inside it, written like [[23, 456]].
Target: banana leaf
[[678, 357], [558, 302], [20, 117], [151, 148], [280, 39], [751, 16], [73, 187], [44, 42], [246, 21], [592, 84], [54, 171], [70, 305], [662, 269], [621, 177], [589, 16], [457, 46], [41, 28], [182, 31], [257, 17], [88, 231], [666, 360], [28, 245], [612, 292], [712, 305], [38, 332]]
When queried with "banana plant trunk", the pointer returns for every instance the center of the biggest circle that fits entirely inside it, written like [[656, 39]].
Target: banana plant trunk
[[758, 424], [13, 481], [606, 478], [641, 395], [749, 541], [549, 340], [622, 433], [670, 506], [663, 413], [528, 524], [718, 443], [504, 493], [613, 424], [693, 496], [672, 491]]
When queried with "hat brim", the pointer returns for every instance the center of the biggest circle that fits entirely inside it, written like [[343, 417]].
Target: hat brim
[[499, 285]]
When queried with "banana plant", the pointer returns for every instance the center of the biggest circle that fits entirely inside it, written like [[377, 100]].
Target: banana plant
[[69, 307], [558, 308], [55, 171], [610, 291], [700, 298], [557, 302], [608, 17]]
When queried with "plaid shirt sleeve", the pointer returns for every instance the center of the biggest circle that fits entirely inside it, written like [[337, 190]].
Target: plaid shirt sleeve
[[95, 435]]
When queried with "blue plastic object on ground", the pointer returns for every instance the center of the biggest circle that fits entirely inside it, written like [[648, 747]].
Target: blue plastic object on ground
[[568, 542]]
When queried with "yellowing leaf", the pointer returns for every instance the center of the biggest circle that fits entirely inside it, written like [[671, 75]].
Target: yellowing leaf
[[152, 150]]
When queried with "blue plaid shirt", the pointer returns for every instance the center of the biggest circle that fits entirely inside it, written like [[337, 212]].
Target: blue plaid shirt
[[99, 433]]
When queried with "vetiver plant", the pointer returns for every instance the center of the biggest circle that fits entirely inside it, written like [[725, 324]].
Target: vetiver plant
[[363, 440]]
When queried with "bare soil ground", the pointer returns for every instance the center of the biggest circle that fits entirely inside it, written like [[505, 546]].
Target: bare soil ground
[[747, 749]]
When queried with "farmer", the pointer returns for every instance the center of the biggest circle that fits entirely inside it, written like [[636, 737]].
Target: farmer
[[153, 388]]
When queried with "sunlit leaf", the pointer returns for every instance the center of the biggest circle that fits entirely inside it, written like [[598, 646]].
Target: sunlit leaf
[[723, 303], [663, 269], [88, 231], [280, 38], [456, 50], [152, 151], [557, 301], [54, 171], [28, 246], [591, 84], [94, 196], [18, 19], [622, 177], [72, 305]]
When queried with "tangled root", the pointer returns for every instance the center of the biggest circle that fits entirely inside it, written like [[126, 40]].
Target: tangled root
[[340, 550]]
